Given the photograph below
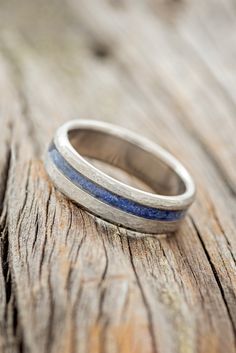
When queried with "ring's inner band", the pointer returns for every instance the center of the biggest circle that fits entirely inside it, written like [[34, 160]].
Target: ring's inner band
[[129, 157]]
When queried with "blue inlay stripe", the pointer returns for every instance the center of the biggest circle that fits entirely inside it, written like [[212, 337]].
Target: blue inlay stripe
[[109, 197]]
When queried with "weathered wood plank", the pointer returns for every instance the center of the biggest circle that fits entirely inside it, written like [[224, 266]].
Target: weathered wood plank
[[70, 282]]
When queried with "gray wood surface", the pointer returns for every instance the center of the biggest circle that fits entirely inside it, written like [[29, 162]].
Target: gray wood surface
[[68, 281]]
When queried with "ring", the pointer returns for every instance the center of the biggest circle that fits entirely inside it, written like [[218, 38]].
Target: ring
[[68, 164]]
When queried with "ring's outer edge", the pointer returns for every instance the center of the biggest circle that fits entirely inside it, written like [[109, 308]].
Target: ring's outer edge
[[106, 211]]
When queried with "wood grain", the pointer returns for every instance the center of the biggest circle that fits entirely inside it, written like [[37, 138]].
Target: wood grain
[[68, 281]]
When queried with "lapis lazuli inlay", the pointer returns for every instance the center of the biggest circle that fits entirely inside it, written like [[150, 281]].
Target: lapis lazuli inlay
[[109, 197]]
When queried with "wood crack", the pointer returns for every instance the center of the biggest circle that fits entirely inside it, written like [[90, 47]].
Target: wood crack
[[103, 276], [5, 179], [11, 308], [46, 232], [229, 246], [51, 315], [4, 236], [145, 301], [217, 279]]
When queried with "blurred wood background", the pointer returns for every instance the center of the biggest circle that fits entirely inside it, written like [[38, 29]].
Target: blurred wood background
[[70, 282]]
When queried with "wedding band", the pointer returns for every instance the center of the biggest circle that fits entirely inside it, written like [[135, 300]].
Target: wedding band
[[70, 169]]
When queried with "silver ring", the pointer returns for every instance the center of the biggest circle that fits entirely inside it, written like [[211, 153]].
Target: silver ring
[[67, 164]]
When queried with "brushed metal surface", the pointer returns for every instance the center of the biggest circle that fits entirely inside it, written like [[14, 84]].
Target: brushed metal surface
[[79, 139]]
